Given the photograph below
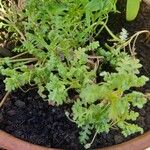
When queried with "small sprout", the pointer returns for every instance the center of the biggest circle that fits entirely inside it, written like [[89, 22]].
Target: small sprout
[[87, 146], [67, 113], [124, 34], [68, 116], [104, 73]]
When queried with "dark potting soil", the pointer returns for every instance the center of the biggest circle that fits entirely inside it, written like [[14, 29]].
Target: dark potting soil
[[28, 117]]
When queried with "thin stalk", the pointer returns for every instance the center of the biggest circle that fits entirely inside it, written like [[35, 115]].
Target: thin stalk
[[23, 59], [132, 37], [93, 138], [67, 114], [20, 33], [111, 33], [4, 98], [14, 26], [27, 90], [25, 63], [102, 26], [88, 145], [16, 56], [94, 57], [135, 35]]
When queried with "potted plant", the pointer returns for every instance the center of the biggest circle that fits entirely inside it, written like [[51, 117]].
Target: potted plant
[[56, 51]]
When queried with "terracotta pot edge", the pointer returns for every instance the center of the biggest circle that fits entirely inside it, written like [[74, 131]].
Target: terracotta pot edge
[[142, 142], [10, 142]]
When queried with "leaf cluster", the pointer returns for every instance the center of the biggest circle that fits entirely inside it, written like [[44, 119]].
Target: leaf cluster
[[57, 53], [109, 103]]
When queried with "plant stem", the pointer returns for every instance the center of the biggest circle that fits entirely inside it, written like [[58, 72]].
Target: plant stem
[[4, 98], [88, 145], [94, 57], [19, 55], [93, 138], [132, 37], [24, 59], [14, 26], [102, 26], [67, 114], [110, 33]]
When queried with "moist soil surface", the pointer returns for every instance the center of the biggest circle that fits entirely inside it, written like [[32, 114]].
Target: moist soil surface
[[26, 116]]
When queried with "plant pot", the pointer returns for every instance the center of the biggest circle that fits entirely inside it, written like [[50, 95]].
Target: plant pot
[[141, 142], [9, 142]]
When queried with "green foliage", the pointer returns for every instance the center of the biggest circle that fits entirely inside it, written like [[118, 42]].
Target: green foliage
[[84, 134], [132, 9], [57, 53], [109, 103], [128, 128]]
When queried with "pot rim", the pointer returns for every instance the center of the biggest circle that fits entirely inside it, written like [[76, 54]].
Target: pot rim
[[10, 142]]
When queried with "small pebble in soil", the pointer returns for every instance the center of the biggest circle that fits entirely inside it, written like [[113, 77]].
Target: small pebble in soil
[[148, 120], [142, 112], [11, 112], [1, 117], [141, 121], [118, 139], [20, 104]]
